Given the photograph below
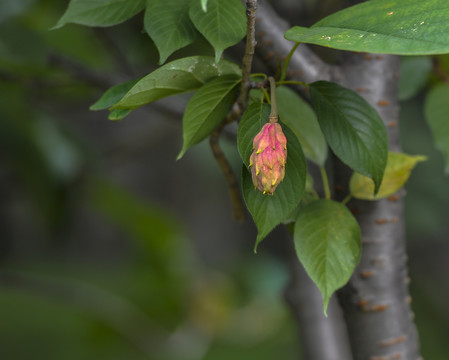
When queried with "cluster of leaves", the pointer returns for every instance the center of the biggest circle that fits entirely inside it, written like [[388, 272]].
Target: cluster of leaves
[[327, 236]]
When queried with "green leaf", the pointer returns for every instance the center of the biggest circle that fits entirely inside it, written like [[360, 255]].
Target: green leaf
[[327, 241], [223, 25], [437, 114], [415, 71], [118, 114], [207, 108], [179, 76], [168, 24], [204, 5], [268, 211], [113, 95], [100, 12], [352, 128], [301, 119], [402, 27], [397, 172]]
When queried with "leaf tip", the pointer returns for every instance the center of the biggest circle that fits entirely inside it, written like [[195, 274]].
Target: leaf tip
[[258, 241], [325, 305], [421, 158], [218, 53], [181, 154], [162, 58], [57, 26], [294, 32]]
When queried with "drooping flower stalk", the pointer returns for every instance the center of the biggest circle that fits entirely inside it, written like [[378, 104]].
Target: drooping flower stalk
[[269, 156]]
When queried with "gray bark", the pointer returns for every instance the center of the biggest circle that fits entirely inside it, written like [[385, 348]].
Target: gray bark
[[376, 301]]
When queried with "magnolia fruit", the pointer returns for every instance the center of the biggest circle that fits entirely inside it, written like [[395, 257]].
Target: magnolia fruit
[[267, 162]]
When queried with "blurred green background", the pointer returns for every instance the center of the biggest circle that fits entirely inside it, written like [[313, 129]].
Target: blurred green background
[[109, 249]]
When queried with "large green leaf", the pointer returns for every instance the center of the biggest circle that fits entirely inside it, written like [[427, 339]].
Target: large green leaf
[[298, 116], [327, 241], [403, 27], [353, 129], [168, 24], [208, 108], [437, 114], [268, 211], [397, 172], [100, 12], [415, 71], [223, 25], [183, 75]]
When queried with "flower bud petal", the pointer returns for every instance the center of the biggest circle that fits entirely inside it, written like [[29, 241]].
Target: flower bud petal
[[267, 162]]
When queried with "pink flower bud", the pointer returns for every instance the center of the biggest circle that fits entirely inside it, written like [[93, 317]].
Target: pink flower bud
[[267, 162]]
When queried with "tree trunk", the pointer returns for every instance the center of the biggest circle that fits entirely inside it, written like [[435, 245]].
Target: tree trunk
[[376, 299], [376, 302]]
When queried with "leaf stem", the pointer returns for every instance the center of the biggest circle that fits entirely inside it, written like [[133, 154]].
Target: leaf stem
[[267, 97], [260, 75], [346, 199], [293, 82], [274, 107], [327, 191], [287, 61]]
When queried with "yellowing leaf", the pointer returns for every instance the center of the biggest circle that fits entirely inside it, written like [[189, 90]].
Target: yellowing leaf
[[397, 171]]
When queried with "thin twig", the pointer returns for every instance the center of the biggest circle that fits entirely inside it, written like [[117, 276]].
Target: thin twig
[[251, 7], [238, 209]]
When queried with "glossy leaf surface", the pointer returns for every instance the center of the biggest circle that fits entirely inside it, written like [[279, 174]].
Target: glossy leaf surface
[[402, 27], [179, 76], [352, 128], [327, 242]]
